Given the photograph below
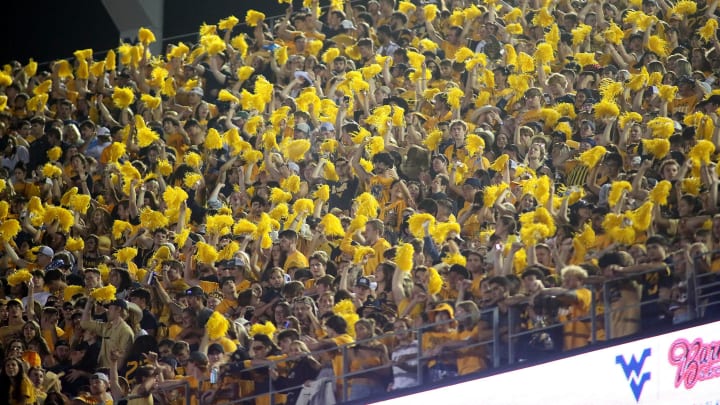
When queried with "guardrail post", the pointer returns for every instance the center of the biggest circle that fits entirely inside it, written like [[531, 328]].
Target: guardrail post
[[511, 345], [593, 314], [692, 285], [608, 310], [420, 374], [345, 368], [496, 337]]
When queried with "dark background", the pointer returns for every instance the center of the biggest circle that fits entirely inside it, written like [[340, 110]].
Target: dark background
[[48, 30]]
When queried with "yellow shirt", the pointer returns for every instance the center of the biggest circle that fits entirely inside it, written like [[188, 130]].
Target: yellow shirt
[[296, 259], [379, 247]]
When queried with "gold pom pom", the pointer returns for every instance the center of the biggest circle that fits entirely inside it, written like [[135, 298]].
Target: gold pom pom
[[404, 257], [662, 127], [217, 326], [152, 220], [592, 156], [104, 294], [54, 154], [659, 147], [19, 277], [228, 23], [146, 36], [9, 229], [616, 191], [629, 117], [435, 282], [708, 31], [126, 254], [253, 18], [659, 194]]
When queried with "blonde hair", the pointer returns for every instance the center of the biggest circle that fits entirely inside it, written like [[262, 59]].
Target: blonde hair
[[574, 271]]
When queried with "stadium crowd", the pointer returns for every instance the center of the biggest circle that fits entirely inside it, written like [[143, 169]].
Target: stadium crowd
[[238, 212]]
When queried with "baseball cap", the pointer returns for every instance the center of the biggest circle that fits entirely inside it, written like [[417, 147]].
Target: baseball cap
[[475, 182], [195, 291], [363, 282], [46, 250], [197, 90], [326, 126], [101, 377], [103, 131], [303, 127], [119, 303], [347, 24], [444, 307]]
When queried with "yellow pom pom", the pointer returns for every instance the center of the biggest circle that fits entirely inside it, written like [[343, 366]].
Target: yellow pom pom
[[606, 109], [435, 282], [72, 290], [404, 257], [544, 53], [119, 228], [329, 172], [585, 58], [253, 18], [430, 11], [659, 147], [416, 222], [361, 253], [708, 31], [322, 193], [658, 46], [213, 140], [592, 156], [543, 18], [51, 171], [228, 23], [267, 329], [193, 160], [19, 277], [217, 326], [662, 127], [685, 7], [702, 151], [329, 56], [295, 150], [367, 205], [152, 220], [54, 154], [332, 226], [206, 253], [123, 97], [303, 206], [659, 194], [218, 224], [104, 294], [9, 229], [639, 80], [74, 244], [146, 36], [629, 117], [614, 34], [474, 144], [616, 191], [126, 254], [492, 193]]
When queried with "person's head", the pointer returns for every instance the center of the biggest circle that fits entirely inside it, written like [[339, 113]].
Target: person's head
[[286, 337], [364, 329], [13, 368], [656, 248], [318, 262], [374, 230], [335, 325], [117, 310], [288, 240], [140, 297], [573, 277], [197, 362], [262, 346], [99, 383]]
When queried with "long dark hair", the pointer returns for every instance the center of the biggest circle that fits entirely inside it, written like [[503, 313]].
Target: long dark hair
[[15, 383]]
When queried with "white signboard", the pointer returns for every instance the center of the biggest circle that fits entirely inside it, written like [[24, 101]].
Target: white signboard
[[681, 367]]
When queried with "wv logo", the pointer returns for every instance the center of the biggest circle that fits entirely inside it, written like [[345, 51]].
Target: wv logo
[[632, 372]]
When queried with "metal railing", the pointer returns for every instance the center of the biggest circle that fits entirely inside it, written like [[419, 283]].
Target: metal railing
[[702, 300]]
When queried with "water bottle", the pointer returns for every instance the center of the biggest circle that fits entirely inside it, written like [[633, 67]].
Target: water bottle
[[214, 374]]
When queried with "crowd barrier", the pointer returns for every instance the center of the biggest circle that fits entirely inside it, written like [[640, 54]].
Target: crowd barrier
[[506, 348]]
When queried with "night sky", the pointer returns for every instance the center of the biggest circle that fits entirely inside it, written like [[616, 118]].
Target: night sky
[[49, 30]]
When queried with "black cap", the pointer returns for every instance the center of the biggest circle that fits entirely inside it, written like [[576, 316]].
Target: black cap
[[363, 282], [473, 181], [120, 303], [195, 291], [461, 270]]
